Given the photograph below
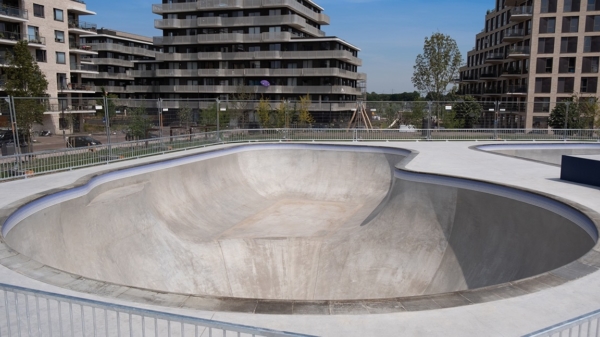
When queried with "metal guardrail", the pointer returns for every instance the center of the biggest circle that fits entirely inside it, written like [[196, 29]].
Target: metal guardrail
[[29, 312], [36, 163], [582, 326]]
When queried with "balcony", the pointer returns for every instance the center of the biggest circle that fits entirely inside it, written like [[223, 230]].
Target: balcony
[[520, 14], [80, 27], [488, 76], [492, 92], [293, 20], [112, 62], [513, 73], [521, 52], [13, 14], [494, 58], [222, 38], [36, 40], [471, 78], [9, 37], [223, 89], [262, 55], [78, 88], [516, 90], [115, 47], [514, 35], [513, 3], [294, 5], [82, 49], [107, 76], [84, 68]]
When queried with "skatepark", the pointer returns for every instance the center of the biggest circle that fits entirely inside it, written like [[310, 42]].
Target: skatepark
[[303, 237]]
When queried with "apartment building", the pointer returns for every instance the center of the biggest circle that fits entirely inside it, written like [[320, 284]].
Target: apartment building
[[116, 55], [530, 55], [274, 49], [52, 29]]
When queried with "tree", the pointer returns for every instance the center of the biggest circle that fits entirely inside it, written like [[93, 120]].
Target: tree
[[139, 123], [582, 113], [24, 79], [240, 103], [263, 110], [185, 116], [438, 66], [463, 114], [281, 115], [304, 116], [111, 106]]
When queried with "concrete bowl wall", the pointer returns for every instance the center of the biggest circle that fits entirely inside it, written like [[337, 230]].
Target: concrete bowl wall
[[297, 223]]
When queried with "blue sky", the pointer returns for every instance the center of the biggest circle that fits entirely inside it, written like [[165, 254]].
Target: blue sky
[[390, 33]]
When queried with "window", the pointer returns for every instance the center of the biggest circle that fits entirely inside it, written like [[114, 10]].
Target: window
[[38, 11], [275, 64], [59, 36], [540, 122], [548, 6], [593, 5], [543, 85], [276, 29], [254, 30], [572, 5], [544, 65], [570, 24], [547, 25], [566, 65], [546, 45], [589, 85], [566, 85], [58, 15], [590, 64], [541, 104], [568, 44], [60, 58], [275, 47], [40, 55], [591, 44], [592, 23]]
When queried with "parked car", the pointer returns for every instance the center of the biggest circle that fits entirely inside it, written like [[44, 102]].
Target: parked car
[[82, 141], [6, 137]]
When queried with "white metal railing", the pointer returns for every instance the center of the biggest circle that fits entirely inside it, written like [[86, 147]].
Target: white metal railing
[[29, 312], [29, 164], [582, 326]]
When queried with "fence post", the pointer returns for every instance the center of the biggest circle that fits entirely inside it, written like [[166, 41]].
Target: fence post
[[107, 126]]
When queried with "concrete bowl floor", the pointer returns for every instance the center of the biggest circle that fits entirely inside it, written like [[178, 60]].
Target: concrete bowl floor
[[297, 223]]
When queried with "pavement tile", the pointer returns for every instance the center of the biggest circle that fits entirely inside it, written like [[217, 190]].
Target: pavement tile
[[274, 307], [383, 306], [347, 308], [311, 308]]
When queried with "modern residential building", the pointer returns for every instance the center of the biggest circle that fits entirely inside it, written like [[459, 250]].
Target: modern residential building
[[117, 54], [530, 55], [52, 29], [271, 48]]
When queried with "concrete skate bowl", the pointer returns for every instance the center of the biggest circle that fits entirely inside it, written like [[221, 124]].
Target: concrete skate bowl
[[298, 226], [548, 153]]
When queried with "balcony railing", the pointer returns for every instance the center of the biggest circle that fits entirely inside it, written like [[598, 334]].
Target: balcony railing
[[86, 47], [14, 12], [514, 89], [36, 39], [495, 57], [524, 50], [76, 24], [489, 75], [526, 10], [514, 34], [78, 87], [84, 67], [5, 35], [513, 72]]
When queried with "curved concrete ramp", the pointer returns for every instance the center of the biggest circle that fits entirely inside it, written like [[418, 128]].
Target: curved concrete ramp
[[296, 222]]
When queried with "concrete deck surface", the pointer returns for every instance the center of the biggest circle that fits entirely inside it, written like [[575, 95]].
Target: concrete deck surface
[[504, 317]]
